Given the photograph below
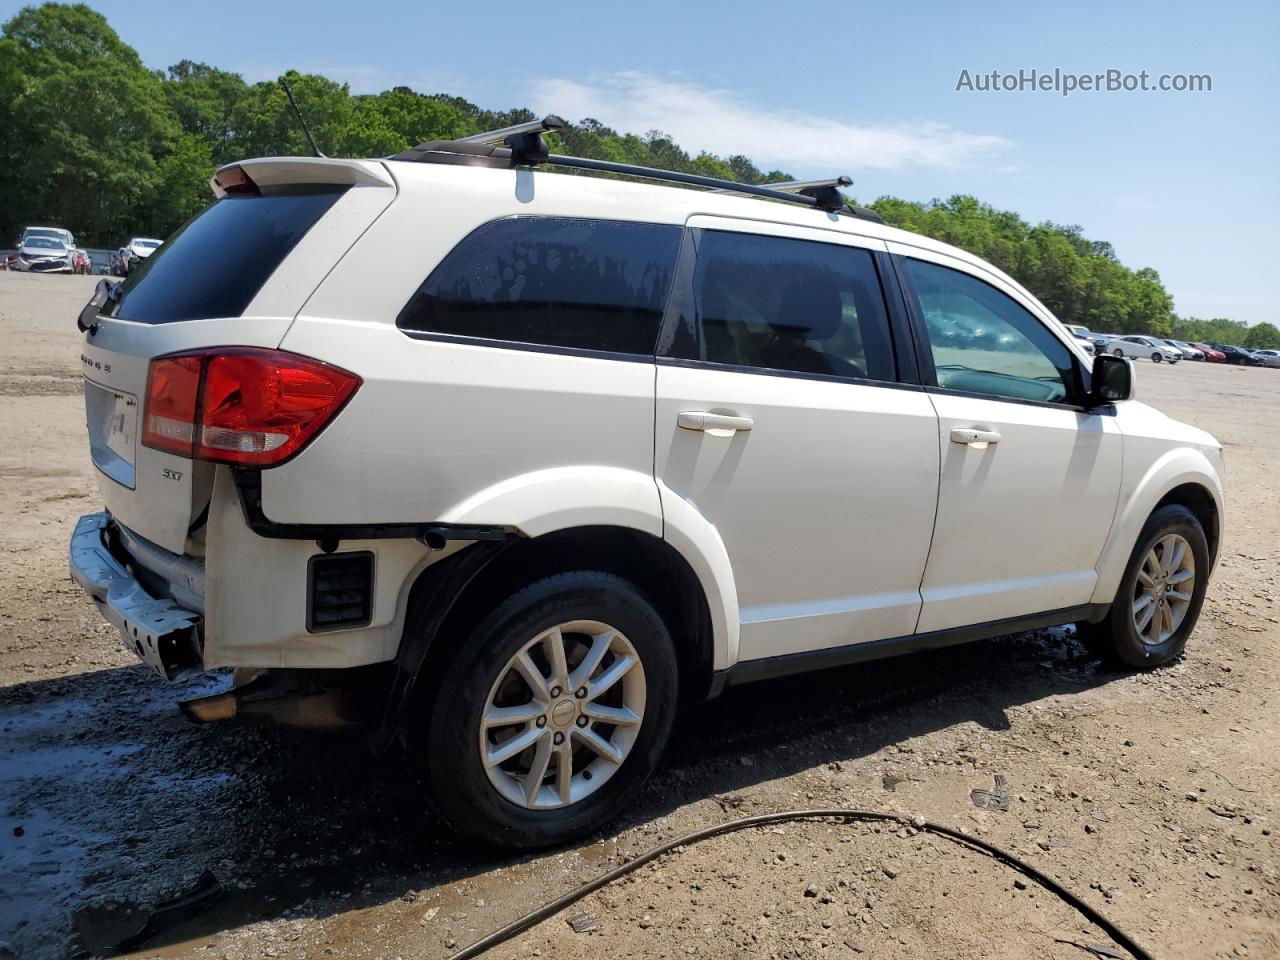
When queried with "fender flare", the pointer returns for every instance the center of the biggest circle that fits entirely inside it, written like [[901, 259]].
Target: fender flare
[[1176, 468], [547, 501]]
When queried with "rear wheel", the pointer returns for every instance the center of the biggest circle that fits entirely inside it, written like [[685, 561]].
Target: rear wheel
[[1117, 352], [553, 714], [1160, 595]]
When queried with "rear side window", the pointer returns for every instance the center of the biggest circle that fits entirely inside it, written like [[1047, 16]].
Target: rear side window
[[551, 281], [219, 259], [781, 304]]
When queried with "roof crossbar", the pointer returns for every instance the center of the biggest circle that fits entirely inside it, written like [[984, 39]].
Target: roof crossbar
[[547, 124], [522, 145]]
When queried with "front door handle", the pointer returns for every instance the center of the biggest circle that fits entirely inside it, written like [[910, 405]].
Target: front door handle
[[974, 437], [714, 423]]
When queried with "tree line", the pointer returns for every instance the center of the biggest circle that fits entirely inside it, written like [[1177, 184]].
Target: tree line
[[93, 140]]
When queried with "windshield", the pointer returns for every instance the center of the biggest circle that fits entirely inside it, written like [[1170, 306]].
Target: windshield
[[44, 243]]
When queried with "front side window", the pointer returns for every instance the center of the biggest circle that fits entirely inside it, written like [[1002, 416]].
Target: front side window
[[777, 303], [984, 342], [552, 281]]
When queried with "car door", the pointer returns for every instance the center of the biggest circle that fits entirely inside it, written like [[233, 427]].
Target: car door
[[780, 418], [1030, 478]]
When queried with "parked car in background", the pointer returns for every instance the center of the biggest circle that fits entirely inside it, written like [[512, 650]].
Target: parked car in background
[[133, 253], [1269, 358], [1133, 345], [1188, 351], [1238, 355], [57, 233], [1210, 354], [40, 253], [1096, 340]]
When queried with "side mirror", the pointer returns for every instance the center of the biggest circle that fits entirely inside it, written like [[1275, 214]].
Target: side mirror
[[1112, 379]]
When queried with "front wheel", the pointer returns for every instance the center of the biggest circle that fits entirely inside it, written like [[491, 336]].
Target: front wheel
[[1157, 358], [1160, 594], [553, 713]]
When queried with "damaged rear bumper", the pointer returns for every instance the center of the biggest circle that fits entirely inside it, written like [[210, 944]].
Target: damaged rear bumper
[[162, 633]]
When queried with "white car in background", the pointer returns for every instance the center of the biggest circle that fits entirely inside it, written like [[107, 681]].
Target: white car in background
[[135, 251], [1187, 350], [1269, 358], [397, 462], [40, 253], [1133, 345]]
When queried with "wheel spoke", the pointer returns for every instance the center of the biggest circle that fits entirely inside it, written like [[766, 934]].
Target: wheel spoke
[[509, 748], [612, 675], [1145, 578], [527, 669], [1152, 563], [509, 716], [1143, 602], [598, 744], [1178, 595], [1168, 551], [1182, 576], [618, 716], [1145, 618], [559, 668], [1166, 614], [600, 645], [538, 769], [564, 771]]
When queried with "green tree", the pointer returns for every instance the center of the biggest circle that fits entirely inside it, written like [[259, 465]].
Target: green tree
[[1262, 336], [85, 123]]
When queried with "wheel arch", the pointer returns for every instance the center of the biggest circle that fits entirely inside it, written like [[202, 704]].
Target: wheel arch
[[1184, 476], [447, 599]]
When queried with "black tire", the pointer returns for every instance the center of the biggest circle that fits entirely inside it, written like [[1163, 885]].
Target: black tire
[[1117, 352], [454, 772], [1115, 639], [1157, 358]]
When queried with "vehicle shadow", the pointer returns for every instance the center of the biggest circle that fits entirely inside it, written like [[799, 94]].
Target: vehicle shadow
[[110, 801]]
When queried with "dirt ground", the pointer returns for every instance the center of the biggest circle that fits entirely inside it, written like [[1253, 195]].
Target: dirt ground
[[1153, 796]]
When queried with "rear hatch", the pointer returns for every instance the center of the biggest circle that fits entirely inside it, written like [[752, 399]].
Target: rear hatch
[[234, 275]]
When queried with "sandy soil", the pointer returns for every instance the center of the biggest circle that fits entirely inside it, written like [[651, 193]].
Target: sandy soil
[[1151, 795]]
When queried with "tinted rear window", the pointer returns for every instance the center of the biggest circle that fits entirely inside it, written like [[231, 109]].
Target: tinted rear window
[[219, 259], [553, 281]]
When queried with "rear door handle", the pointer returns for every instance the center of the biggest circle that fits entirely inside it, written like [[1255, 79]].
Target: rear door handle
[[721, 423], [974, 437]]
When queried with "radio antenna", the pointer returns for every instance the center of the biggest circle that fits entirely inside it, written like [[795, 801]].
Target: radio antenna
[[315, 151]]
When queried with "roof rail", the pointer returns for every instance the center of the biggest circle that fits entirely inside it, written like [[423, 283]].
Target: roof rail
[[522, 145]]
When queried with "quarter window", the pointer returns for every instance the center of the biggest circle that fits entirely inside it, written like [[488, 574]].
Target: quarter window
[[584, 284], [985, 342], [782, 304]]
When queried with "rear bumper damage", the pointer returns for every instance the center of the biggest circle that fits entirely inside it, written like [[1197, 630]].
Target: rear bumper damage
[[162, 633]]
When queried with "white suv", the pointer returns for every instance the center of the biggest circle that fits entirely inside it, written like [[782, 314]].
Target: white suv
[[504, 463]]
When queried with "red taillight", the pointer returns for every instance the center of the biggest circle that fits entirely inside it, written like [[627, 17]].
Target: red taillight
[[241, 405], [234, 181]]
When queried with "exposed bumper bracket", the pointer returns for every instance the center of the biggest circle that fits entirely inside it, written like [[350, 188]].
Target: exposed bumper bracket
[[164, 635]]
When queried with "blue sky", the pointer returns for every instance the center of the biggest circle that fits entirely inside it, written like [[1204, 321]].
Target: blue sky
[[1187, 183]]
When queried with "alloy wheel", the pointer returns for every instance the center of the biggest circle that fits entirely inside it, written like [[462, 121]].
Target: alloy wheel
[[563, 715], [1163, 590]]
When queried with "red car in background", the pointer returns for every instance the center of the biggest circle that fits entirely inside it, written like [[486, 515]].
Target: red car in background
[[1210, 354]]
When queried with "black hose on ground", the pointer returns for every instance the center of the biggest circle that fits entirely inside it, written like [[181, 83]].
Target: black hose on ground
[[547, 910]]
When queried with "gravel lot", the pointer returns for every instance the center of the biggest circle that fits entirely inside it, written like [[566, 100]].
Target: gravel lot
[[1153, 796]]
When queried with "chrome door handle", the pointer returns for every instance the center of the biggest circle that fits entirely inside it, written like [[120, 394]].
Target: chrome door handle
[[974, 437], [712, 422]]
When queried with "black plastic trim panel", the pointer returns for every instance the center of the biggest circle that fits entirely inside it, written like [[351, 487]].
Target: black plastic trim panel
[[766, 668], [249, 486]]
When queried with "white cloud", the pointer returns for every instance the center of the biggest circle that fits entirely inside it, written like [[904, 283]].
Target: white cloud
[[722, 122]]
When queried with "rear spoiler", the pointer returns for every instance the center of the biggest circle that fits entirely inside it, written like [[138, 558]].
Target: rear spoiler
[[266, 172]]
